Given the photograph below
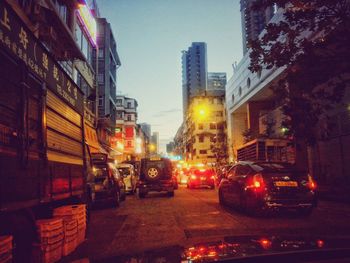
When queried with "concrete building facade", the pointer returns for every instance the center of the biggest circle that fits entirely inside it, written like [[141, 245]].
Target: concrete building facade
[[126, 126], [253, 21], [205, 129], [194, 72]]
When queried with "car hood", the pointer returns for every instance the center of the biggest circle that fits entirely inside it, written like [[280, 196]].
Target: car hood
[[245, 248]]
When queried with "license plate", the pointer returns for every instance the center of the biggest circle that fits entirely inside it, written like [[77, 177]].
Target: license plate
[[286, 184]]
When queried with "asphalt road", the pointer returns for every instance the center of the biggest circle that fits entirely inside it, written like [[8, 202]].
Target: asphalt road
[[194, 216]]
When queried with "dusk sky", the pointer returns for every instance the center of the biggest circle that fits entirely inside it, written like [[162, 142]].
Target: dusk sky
[[150, 36]]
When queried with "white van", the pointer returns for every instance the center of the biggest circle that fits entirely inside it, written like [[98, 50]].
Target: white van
[[129, 176]]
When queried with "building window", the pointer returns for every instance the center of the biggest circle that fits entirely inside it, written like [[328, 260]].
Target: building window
[[101, 53], [129, 105], [200, 126], [201, 138], [248, 83], [219, 114], [129, 117], [212, 126], [119, 115], [100, 78], [240, 91], [220, 126], [100, 101], [202, 151], [233, 98], [119, 102]]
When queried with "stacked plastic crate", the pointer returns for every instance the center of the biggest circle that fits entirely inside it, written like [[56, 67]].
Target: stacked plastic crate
[[6, 249], [73, 215], [51, 235]]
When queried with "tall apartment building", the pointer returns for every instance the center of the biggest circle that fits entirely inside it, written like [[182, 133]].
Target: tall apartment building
[[107, 63], [216, 81], [126, 126], [253, 21], [194, 72], [155, 143], [146, 128]]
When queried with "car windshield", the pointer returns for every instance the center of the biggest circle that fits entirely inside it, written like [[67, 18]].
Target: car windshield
[[201, 128], [273, 167], [124, 170]]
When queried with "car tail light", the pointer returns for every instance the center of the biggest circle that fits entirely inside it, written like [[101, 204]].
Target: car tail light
[[212, 177], [311, 183], [193, 177], [257, 182], [265, 243]]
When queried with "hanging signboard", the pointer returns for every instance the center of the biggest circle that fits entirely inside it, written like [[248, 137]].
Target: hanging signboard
[[17, 39]]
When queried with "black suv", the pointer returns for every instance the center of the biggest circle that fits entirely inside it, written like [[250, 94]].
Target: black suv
[[155, 175]]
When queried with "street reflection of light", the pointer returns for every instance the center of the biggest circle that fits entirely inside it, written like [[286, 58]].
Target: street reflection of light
[[202, 249], [212, 253], [320, 243]]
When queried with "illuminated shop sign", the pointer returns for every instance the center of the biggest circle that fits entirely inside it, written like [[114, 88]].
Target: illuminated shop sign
[[88, 22]]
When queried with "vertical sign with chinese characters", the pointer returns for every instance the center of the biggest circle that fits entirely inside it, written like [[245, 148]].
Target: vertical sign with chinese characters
[[17, 39]]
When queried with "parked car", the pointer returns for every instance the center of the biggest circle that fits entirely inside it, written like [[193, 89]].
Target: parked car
[[155, 175], [261, 186], [129, 176], [222, 172], [108, 185], [201, 177]]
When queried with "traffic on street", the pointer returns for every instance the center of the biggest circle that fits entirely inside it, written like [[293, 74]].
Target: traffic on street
[[162, 225]]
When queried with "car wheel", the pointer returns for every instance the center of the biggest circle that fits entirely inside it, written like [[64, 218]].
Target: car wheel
[[221, 199], [305, 212], [141, 194], [116, 201], [171, 194], [123, 196]]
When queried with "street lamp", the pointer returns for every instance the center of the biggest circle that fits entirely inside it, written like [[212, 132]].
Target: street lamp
[[201, 111], [152, 147]]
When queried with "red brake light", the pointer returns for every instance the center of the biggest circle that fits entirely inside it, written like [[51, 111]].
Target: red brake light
[[257, 182], [311, 183]]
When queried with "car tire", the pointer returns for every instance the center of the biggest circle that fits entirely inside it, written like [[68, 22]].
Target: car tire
[[123, 196], [156, 171], [221, 199], [141, 195], [171, 194], [116, 201]]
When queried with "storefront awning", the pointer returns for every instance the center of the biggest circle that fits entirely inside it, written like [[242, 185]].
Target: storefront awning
[[92, 141]]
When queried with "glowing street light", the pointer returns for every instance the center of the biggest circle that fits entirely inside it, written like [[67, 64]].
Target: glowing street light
[[201, 111], [152, 147]]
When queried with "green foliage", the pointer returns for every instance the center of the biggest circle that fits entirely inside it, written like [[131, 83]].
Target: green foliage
[[218, 147], [247, 135], [316, 65]]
